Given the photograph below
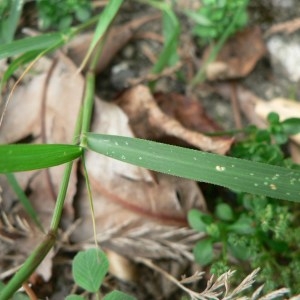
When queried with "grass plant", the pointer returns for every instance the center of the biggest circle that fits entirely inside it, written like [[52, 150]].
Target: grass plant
[[257, 184]]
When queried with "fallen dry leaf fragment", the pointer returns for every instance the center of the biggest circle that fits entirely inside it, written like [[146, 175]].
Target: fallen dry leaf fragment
[[238, 56], [285, 27], [115, 41], [23, 118], [187, 110], [148, 121]]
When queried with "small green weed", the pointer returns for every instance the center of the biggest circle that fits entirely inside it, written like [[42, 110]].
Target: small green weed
[[89, 269], [60, 14], [256, 230], [215, 16], [215, 22]]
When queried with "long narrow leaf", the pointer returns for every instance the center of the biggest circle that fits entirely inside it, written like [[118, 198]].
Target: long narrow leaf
[[33, 43], [17, 158], [9, 24], [104, 22], [232, 173], [24, 200]]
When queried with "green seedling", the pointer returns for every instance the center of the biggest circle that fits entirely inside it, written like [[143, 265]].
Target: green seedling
[[89, 269], [255, 230], [215, 22], [61, 14], [215, 16]]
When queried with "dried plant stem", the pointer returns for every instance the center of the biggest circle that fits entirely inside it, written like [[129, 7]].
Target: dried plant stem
[[148, 263]]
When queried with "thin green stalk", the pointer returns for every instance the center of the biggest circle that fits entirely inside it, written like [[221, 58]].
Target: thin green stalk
[[86, 24], [200, 76], [31, 263], [88, 101], [38, 255], [82, 126], [61, 198], [90, 90]]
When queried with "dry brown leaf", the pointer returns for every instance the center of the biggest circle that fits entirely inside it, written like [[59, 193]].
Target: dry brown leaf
[[238, 56], [148, 121], [285, 27], [24, 118], [187, 110], [121, 267], [115, 41]]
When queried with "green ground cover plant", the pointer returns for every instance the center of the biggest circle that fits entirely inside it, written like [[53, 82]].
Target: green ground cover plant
[[255, 230], [215, 22], [258, 174]]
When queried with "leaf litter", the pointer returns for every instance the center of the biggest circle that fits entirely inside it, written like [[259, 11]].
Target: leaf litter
[[138, 213]]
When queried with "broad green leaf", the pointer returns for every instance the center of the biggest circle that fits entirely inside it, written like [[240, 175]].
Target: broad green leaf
[[39, 42], [244, 225], [89, 269], [74, 297], [195, 220], [291, 126], [19, 157], [203, 252], [224, 212], [233, 173], [117, 295]]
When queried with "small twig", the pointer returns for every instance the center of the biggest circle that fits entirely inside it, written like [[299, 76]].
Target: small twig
[[287, 27], [148, 263], [235, 106], [29, 291], [152, 77]]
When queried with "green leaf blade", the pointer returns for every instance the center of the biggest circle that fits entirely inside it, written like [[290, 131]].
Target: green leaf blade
[[39, 42], [89, 269], [74, 297], [105, 20], [117, 295], [195, 220], [203, 252], [233, 173], [18, 158]]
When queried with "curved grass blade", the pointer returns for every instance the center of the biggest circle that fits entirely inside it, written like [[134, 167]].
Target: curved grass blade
[[24, 200], [105, 20], [33, 43], [233, 173], [17, 158], [9, 24], [171, 31], [17, 63]]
